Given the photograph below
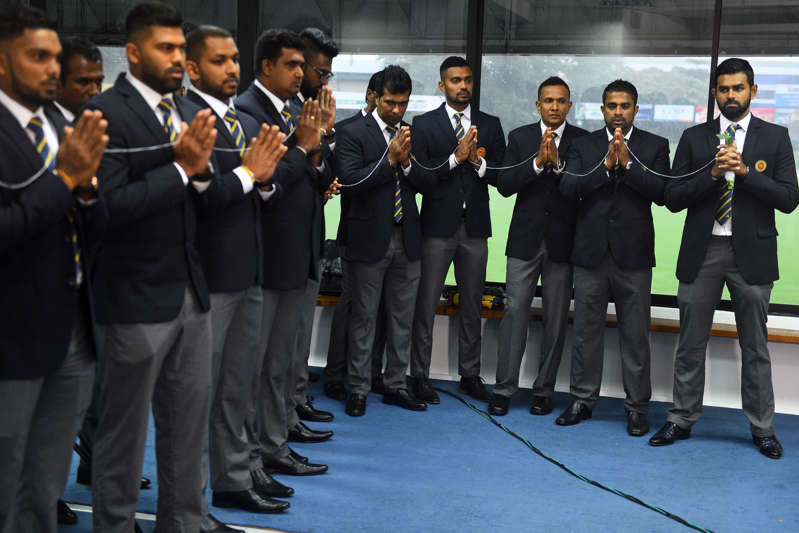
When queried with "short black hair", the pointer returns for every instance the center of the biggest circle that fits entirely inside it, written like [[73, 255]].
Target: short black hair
[[453, 61], [395, 80], [374, 81], [15, 18], [77, 47], [271, 43], [621, 86], [147, 14], [317, 41], [553, 81], [734, 65], [195, 40]]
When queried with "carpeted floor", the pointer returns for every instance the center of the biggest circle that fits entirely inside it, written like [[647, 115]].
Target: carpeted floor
[[450, 470]]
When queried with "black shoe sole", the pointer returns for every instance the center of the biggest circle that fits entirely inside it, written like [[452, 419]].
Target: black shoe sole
[[226, 505], [669, 442]]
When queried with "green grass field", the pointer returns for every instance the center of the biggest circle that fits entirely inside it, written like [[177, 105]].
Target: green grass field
[[668, 232]]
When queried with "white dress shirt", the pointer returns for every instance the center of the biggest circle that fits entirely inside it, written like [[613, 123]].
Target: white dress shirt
[[740, 138], [559, 131], [387, 136], [466, 122], [24, 116]]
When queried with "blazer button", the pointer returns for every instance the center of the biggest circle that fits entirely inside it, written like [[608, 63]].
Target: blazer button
[[612, 220]]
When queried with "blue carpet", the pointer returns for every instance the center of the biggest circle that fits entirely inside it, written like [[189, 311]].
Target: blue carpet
[[450, 470]]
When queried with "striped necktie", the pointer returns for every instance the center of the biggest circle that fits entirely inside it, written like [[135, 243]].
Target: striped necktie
[[48, 157], [288, 117], [392, 130], [724, 208], [165, 107], [459, 133], [235, 129]]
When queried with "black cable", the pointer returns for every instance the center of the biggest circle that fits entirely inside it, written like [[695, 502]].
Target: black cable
[[530, 445]]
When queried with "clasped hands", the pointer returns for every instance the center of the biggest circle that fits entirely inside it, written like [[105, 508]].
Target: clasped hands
[[728, 159], [399, 149], [81, 149], [547, 151], [618, 154], [467, 148]]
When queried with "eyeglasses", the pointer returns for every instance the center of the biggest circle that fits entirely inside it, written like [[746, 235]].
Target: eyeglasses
[[324, 74]]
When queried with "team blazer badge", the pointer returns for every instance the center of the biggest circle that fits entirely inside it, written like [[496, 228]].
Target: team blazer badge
[[481, 151], [760, 166]]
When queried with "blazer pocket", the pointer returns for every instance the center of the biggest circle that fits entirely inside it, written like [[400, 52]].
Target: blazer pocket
[[767, 232]]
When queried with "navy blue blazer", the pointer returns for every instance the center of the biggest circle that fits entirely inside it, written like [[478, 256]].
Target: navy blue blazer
[[37, 269], [615, 210], [433, 140], [229, 225], [370, 215], [770, 184], [148, 255], [291, 222], [541, 211]]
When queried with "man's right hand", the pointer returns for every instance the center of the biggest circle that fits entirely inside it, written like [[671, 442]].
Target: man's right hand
[[264, 152], [543, 149], [81, 149], [195, 143], [309, 124], [399, 150], [466, 145]]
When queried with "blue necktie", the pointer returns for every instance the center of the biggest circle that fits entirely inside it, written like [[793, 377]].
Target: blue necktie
[[235, 129], [166, 110], [288, 117], [392, 130], [459, 133], [724, 208]]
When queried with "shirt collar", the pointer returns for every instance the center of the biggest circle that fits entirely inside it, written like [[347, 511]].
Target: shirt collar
[[626, 137], [301, 97], [724, 122], [382, 125], [277, 102], [150, 95], [467, 113], [19, 111], [559, 130], [219, 107], [363, 112], [69, 115]]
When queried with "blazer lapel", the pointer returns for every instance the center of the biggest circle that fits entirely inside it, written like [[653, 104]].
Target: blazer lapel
[[20, 139], [221, 126], [139, 107], [751, 138], [445, 125]]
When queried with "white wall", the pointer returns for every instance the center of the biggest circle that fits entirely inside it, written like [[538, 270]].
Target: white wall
[[722, 374]]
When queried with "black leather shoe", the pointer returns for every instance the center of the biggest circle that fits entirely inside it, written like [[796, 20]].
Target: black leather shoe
[[298, 457], [498, 405], [267, 486], [290, 466], [768, 446], [210, 524], [542, 405], [307, 412], [575, 413], [377, 384], [356, 405], [302, 433], [637, 424], [336, 390], [401, 398], [423, 389], [250, 501], [474, 387], [668, 434], [66, 516]]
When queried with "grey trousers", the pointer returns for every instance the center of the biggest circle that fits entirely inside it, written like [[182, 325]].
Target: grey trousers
[[400, 278], [281, 311], [556, 286], [697, 302], [236, 331], [469, 254], [302, 351], [336, 364], [167, 364], [630, 289], [38, 423]]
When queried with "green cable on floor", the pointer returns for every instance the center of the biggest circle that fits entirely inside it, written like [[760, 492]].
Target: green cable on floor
[[581, 477]]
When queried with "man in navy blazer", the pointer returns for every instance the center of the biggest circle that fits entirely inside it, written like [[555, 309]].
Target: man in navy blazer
[[229, 226], [539, 244], [383, 238], [729, 238], [614, 252], [149, 284], [456, 223], [46, 347], [291, 225]]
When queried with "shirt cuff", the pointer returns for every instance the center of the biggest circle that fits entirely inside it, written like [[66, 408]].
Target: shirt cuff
[[406, 171], [321, 168], [182, 173], [452, 162], [266, 195], [482, 170], [629, 165], [538, 170], [201, 186], [245, 177], [86, 203]]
